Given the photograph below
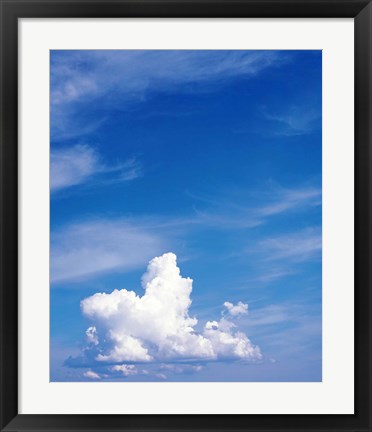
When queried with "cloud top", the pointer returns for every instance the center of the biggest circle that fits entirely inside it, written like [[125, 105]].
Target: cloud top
[[157, 326]]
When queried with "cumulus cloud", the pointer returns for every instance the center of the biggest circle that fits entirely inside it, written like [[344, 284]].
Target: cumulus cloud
[[78, 164], [91, 335], [92, 375], [157, 327], [228, 343], [125, 370], [238, 309]]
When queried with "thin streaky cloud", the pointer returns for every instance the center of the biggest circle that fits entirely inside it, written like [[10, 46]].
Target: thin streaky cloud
[[269, 315], [222, 212], [288, 199], [71, 166], [274, 274], [287, 328], [79, 74], [82, 163], [298, 120], [293, 312], [124, 78], [300, 246], [83, 250]]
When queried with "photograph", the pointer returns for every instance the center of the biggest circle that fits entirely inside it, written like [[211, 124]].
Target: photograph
[[185, 216]]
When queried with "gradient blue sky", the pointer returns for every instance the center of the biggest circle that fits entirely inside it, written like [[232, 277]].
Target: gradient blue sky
[[215, 156]]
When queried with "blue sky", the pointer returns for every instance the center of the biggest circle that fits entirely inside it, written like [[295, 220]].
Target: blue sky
[[213, 157]]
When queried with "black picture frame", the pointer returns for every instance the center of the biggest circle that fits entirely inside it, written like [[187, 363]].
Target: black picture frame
[[11, 11]]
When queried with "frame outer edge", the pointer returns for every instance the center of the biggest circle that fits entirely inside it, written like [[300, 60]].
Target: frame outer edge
[[9, 220], [9, 208], [363, 213]]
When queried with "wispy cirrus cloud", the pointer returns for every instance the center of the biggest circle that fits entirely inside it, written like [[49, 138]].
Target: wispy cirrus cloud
[[87, 248], [182, 369], [82, 250], [71, 166], [297, 120], [79, 74], [221, 211], [282, 255], [295, 247], [285, 199], [273, 274], [121, 78], [82, 163], [288, 327]]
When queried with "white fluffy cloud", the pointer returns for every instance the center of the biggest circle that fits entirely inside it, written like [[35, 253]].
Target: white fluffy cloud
[[91, 335], [124, 369], [92, 375], [157, 327], [236, 310]]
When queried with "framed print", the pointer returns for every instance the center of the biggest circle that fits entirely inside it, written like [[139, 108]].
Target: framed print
[[185, 227]]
